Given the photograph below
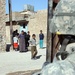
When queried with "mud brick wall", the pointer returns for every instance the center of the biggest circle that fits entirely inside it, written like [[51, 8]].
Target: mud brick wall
[[2, 26], [38, 22]]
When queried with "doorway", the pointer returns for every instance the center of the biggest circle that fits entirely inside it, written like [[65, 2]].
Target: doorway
[[24, 28]]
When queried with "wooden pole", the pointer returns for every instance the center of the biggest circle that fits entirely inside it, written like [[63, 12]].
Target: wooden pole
[[49, 35], [10, 20]]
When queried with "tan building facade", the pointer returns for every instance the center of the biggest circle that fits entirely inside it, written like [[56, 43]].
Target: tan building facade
[[38, 22], [33, 21], [2, 26]]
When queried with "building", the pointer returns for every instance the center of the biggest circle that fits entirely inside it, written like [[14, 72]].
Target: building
[[2, 26], [28, 20]]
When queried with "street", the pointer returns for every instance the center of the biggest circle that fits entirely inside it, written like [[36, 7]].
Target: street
[[14, 61]]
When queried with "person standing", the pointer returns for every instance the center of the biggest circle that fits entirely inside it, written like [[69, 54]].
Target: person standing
[[22, 42], [33, 47], [41, 38], [15, 44], [28, 38], [25, 36]]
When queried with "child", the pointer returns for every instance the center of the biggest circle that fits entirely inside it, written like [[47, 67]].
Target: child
[[15, 40], [33, 47], [41, 38]]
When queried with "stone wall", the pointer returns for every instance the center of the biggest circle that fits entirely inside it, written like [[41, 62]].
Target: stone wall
[[2, 26], [8, 32], [38, 22]]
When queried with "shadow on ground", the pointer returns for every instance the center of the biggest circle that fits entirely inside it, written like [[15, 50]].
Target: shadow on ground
[[30, 72], [38, 57]]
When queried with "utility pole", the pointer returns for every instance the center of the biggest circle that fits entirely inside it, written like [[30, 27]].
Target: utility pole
[[49, 35], [10, 21]]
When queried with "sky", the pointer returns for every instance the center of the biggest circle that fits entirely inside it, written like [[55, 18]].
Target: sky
[[18, 5]]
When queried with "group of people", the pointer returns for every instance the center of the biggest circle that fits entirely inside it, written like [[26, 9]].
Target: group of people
[[22, 42]]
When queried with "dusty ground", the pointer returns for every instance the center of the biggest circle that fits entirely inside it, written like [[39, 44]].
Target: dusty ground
[[13, 62], [30, 72]]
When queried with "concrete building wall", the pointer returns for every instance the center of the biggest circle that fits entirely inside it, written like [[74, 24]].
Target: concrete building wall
[[2, 26], [38, 22], [16, 27], [8, 41], [8, 34], [15, 16]]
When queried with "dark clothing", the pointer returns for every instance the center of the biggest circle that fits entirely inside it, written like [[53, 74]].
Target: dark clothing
[[27, 38], [15, 33], [41, 36], [21, 43]]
